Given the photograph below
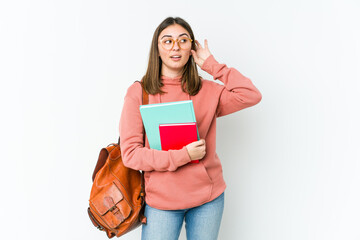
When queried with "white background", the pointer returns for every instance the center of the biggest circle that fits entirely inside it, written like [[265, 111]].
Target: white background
[[291, 163]]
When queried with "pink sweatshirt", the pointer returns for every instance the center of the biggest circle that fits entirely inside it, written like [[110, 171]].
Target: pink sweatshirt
[[171, 182]]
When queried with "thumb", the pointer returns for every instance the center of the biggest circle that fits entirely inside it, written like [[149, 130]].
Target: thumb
[[193, 53], [199, 142]]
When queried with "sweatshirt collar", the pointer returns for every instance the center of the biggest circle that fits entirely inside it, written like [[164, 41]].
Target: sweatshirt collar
[[171, 81]]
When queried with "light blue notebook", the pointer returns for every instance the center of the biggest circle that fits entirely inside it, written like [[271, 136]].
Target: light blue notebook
[[162, 113]]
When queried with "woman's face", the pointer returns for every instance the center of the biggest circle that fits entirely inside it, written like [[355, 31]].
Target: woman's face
[[173, 66]]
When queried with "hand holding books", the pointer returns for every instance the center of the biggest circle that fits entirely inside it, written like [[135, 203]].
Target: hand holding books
[[172, 125], [197, 149], [178, 135]]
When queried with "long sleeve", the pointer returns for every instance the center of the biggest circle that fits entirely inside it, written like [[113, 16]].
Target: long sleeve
[[134, 154], [238, 91]]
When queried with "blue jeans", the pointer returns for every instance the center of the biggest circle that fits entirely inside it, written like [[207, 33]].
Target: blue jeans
[[201, 223]]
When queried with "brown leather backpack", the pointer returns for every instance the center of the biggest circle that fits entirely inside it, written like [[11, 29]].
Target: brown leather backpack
[[117, 198]]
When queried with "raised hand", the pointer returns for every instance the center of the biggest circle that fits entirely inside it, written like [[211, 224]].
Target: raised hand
[[201, 54]]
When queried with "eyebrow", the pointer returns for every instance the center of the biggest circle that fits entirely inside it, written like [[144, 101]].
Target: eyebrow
[[171, 36]]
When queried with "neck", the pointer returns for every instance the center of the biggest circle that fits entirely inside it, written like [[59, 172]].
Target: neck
[[171, 73]]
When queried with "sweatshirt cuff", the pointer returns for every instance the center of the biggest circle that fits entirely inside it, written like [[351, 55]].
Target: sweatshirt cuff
[[186, 155], [208, 63]]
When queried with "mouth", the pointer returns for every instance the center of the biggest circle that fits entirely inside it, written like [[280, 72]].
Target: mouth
[[176, 57]]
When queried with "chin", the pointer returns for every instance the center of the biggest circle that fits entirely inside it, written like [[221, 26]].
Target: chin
[[176, 65]]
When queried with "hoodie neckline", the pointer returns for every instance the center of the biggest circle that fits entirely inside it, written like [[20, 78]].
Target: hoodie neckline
[[171, 81]]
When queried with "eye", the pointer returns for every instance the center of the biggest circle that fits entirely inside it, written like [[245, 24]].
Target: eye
[[167, 41]]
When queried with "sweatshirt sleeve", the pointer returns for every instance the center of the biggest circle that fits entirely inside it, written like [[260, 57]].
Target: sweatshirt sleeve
[[238, 91], [133, 152]]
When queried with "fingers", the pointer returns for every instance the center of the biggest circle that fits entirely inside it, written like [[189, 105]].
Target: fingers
[[199, 143], [198, 45], [193, 53]]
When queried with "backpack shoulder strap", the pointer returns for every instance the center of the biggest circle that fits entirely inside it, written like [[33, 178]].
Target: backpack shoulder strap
[[145, 94], [145, 100]]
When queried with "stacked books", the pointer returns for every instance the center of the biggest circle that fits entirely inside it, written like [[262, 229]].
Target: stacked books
[[170, 125]]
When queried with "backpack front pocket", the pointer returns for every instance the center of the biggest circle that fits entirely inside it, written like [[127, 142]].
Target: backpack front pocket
[[111, 205]]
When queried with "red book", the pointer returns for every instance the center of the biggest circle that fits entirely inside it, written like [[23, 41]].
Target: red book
[[177, 135]]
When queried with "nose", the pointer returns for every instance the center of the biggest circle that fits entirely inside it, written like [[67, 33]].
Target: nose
[[176, 45]]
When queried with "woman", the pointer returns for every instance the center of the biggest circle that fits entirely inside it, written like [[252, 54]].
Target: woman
[[175, 188]]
